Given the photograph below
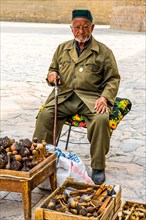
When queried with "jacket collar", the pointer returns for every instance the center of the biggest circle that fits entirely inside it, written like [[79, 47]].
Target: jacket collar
[[73, 53]]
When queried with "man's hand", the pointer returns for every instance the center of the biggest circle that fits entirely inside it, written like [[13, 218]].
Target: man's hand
[[101, 105], [53, 77]]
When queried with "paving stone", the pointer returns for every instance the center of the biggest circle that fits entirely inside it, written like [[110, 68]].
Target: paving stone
[[9, 210], [38, 190], [3, 194], [14, 197], [18, 197], [130, 145], [140, 161]]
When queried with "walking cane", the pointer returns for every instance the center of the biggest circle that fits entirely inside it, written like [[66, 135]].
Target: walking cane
[[55, 114]]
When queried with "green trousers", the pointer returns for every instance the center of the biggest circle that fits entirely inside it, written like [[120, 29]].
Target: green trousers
[[98, 130]]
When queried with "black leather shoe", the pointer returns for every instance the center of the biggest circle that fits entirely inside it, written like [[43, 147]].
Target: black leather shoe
[[98, 176]]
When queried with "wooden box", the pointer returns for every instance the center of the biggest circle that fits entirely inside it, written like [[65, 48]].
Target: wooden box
[[130, 205], [25, 182], [42, 213], [30, 173]]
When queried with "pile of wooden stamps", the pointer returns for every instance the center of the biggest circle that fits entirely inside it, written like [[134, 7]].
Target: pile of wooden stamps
[[21, 155], [85, 202], [133, 211]]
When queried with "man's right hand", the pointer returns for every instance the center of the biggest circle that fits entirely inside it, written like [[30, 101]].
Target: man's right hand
[[53, 77]]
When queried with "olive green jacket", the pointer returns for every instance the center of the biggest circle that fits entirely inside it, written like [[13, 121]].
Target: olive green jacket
[[91, 75]]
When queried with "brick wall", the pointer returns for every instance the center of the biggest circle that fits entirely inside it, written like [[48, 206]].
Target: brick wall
[[54, 11], [129, 15]]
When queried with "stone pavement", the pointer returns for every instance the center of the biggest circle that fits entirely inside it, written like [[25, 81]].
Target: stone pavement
[[26, 52]]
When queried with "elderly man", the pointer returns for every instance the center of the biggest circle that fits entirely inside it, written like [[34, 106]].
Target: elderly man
[[88, 81]]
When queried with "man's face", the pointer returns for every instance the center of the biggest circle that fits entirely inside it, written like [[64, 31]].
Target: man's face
[[81, 29]]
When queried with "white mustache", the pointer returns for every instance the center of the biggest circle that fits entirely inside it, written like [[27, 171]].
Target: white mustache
[[82, 40]]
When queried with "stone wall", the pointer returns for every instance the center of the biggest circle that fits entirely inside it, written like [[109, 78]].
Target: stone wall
[[129, 15], [119, 14], [54, 11], [129, 2]]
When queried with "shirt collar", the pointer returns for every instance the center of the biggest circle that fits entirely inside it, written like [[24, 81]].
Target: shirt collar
[[94, 45], [87, 43]]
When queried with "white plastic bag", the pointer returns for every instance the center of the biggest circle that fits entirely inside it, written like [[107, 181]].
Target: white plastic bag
[[69, 168], [68, 165]]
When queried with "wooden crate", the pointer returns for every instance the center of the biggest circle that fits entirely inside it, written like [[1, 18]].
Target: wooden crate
[[30, 173], [47, 214], [25, 182], [124, 204]]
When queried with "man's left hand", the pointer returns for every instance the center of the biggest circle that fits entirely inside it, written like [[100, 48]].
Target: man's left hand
[[101, 105]]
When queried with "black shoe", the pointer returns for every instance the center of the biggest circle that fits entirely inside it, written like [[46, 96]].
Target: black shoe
[[98, 176]]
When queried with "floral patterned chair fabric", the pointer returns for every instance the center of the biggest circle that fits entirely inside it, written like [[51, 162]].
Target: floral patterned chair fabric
[[121, 107]]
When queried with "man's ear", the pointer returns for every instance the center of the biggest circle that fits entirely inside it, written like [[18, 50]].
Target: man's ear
[[92, 27], [71, 27]]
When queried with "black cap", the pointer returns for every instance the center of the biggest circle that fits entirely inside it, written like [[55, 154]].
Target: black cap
[[82, 14]]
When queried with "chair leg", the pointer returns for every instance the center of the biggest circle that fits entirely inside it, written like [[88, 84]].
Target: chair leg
[[68, 136], [58, 139]]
